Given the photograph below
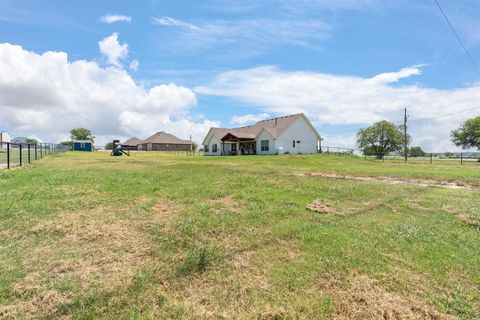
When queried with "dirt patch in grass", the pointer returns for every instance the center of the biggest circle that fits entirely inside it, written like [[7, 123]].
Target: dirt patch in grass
[[391, 180], [463, 216], [321, 207], [361, 297], [228, 203]]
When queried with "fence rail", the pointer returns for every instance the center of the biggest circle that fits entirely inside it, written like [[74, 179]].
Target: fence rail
[[19, 154], [434, 157], [336, 150]]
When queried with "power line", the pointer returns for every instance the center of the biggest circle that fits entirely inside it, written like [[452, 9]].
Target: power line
[[445, 115], [458, 37]]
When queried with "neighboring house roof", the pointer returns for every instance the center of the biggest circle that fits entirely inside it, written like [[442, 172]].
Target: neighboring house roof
[[275, 127], [166, 138], [133, 141], [20, 140]]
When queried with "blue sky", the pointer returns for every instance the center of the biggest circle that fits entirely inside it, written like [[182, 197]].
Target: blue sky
[[345, 63]]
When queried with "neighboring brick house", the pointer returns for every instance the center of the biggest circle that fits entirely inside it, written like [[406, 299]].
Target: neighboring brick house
[[162, 141], [131, 144]]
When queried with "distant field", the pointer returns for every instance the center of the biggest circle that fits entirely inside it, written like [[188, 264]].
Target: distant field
[[86, 235]]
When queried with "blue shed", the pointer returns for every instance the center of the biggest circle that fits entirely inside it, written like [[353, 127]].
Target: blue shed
[[82, 145]]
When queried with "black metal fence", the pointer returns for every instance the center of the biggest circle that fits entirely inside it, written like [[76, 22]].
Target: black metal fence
[[18, 154]]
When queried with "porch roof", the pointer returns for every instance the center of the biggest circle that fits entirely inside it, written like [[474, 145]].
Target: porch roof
[[237, 137]]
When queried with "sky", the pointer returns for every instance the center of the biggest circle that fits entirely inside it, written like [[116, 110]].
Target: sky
[[132, 68]]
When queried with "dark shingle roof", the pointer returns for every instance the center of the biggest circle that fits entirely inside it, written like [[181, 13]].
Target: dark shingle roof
[[163, 137], [133, 141], [275, 127]]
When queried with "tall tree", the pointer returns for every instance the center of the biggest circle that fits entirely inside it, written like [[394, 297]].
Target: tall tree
[[381, 138], [468, 135], [81, 134]]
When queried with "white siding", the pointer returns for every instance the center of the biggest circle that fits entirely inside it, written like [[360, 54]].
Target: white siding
[[211, 142], [265, 135], [5, 137], [301, 131]]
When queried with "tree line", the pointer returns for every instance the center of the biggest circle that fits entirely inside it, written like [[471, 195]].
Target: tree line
[[384, 137]]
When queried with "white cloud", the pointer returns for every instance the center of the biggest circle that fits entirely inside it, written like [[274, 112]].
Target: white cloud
[[113, 50], [171, 22], [334, 99], [112, 18], [245, 37], [134, 65], [47, 95], [249, 118]]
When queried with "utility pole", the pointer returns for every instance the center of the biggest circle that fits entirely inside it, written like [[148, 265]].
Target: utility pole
[[405, 151]]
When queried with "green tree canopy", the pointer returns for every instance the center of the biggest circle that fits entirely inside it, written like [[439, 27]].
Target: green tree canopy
[[381, 138], [67, 143], [194, 146], [416, 152], [31, 141], [81, 134], [468, 135], [109, 146]]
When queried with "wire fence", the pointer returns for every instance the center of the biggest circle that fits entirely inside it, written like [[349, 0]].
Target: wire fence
[[162, 152], [18, 154], [433, 157], [430, 157], [337, 150]]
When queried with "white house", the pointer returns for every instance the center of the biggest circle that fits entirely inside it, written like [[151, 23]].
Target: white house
[[4, 137], [289, 134]]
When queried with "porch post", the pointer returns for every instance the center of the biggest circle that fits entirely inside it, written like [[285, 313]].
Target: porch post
[[238, 148]]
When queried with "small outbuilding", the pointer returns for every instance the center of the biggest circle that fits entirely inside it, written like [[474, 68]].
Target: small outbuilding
[[82, 145], [4, 137]]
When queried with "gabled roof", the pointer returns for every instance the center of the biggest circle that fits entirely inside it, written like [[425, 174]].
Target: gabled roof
[[133, 141], [163, 137], [22, 140], [275, 127]]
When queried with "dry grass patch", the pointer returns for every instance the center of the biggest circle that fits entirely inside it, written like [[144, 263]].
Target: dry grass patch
[[463, 216], [94, 247], [228, 203], [361, 297], [233, 292]]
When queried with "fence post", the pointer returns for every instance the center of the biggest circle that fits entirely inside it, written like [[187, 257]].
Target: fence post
[[20, 154], [28, 146], [461, 158], [8, 155], [35, 151], [431, 158], [41, 151]]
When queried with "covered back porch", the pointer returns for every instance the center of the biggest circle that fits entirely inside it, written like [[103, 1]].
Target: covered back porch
[[238, 144]]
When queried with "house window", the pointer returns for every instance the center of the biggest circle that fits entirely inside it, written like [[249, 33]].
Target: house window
[[294, 143], [214, 148], [205, 148], [264, 145], [234, 147]]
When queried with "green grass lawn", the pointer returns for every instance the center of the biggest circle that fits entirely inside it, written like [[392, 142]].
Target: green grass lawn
[[85, 235]]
